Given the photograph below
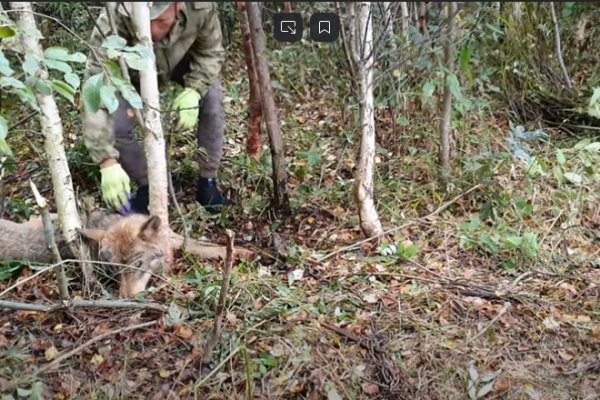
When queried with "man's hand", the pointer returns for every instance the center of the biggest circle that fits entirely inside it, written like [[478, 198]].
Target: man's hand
[[115, 186], [187, 103]]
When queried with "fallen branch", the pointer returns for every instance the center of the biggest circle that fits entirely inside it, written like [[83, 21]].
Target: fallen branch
[[48, 225], [205, 250], [439, 210], [70, 304], [216, 333], [346, 333], [216, 369]]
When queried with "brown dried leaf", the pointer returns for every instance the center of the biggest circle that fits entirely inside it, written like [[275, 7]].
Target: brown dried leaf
[[370, 388]]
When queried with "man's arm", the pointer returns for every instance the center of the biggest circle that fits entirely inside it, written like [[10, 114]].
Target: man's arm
[[98, 134], [206, 54]]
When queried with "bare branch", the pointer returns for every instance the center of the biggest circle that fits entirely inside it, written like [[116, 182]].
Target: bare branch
[[216, 333], [558, 47]]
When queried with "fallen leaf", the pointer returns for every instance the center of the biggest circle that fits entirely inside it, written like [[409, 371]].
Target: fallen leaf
[[551, 324], [277, 350], [164, 373], [183, 331], [50, 353], [97, 359], [565, 355], [370, 388]]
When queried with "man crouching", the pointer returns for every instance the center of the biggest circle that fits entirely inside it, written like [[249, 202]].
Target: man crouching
[[189, 51]]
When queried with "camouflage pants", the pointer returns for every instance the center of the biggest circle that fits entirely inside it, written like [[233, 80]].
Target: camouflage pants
[[210, 134]]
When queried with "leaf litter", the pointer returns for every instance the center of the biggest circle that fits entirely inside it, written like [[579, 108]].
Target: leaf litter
[[446, 318]]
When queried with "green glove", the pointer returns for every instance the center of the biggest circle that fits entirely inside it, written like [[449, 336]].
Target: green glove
[[187, 103], [115, 187]]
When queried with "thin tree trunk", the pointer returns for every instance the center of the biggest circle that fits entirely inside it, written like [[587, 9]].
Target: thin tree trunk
[[154, 141], [388, 20], [64, 194], [254, 139], [558, 48], [445, 126], [423, 19], [405, 19], [281, 201], [361, 42]]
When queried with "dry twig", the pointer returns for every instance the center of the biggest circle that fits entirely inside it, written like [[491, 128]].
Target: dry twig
[[69, 304], [216, 333]]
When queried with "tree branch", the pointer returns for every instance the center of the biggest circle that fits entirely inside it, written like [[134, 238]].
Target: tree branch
[[216, 333]]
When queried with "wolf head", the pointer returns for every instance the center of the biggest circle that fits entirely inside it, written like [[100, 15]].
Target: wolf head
[[133, 241]]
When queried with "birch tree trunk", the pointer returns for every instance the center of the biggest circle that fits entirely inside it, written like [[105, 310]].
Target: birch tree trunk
[[52, 129], [154, 139], [445, 125], [281, 200], [361, 43], [254, 139]]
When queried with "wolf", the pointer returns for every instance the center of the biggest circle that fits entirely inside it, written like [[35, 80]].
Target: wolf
[[131, 244]]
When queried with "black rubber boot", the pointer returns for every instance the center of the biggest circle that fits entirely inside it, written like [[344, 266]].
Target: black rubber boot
[[208, 195], [141, 200]]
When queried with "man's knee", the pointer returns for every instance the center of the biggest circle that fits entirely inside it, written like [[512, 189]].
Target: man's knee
[[124, 123]]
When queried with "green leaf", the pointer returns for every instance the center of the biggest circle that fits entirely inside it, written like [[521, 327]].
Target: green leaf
[[114, 69], [64, 90], [44, 87], [403, 121], [137, 62], [594, 104], [5, 68], [73, 80], [427, 92], [454, 85], [58, 65], [6, 31], [530, 246], [5, 148], [560, 157], [114, 42], [3, 127], [62, 54], [27, 96], [514, 242], [7, 81], [573, 177], [465, 59], [91, 92], [132, 97], [31, 64], [109, 98], [142, 51]]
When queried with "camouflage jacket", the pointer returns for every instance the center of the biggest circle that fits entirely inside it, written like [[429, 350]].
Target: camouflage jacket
[[197, 33]]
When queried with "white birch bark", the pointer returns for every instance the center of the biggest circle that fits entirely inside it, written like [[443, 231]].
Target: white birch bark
[[52, 129], [154, 140], [361, 42]]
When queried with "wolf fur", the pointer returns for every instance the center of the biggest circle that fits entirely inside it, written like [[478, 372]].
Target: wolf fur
[[123, 241]]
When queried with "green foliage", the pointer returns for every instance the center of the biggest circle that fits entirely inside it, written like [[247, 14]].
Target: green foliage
[[100, 90]]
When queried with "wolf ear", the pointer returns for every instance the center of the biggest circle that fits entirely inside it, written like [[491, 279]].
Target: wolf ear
[[150, 228], [93, 234]]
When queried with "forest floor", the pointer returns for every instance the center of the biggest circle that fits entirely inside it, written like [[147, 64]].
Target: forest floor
[[488, 289]]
